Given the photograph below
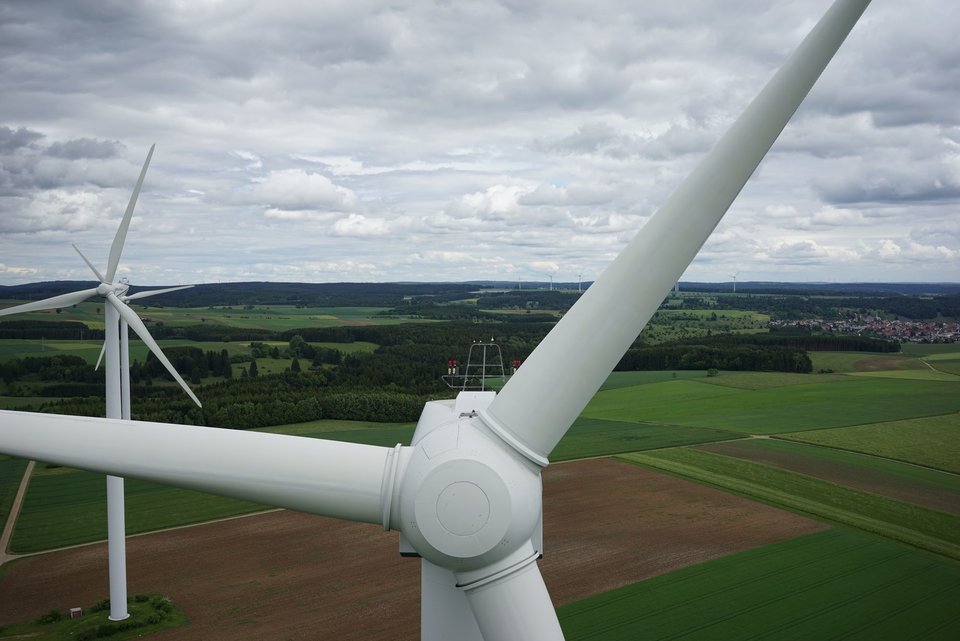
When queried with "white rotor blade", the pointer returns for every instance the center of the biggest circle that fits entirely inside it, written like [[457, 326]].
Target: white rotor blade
[[103, 350], [137, 325], [330, 478], [540, 402], [156, 292], [117, 247], [515, 608], [90, 265], [63, 300]]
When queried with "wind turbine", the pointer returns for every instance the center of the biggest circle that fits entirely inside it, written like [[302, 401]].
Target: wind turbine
[[734, 277], [114, 291], [125, 345], [466, 494]]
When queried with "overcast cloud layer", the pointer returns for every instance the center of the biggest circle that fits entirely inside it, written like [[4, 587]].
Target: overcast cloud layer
[[462, 140]]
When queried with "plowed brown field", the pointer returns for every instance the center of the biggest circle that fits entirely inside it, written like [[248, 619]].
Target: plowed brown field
[[290, 576]]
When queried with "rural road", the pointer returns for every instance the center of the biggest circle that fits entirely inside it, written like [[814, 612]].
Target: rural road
[[14, 511]]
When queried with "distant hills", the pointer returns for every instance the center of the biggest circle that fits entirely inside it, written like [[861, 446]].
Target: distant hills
[[393, 294]]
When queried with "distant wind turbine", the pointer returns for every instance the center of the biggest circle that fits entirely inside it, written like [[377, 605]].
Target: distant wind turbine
[[114, 291], [125, 346]]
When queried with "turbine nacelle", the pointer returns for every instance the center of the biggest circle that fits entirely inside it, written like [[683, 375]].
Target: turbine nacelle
[[466, 502], [117, 289]]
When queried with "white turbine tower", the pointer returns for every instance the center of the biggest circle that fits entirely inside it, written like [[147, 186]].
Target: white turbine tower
[[734, 277], [466, 494], [116, 311]]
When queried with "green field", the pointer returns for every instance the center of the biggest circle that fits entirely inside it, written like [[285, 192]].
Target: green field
[[66, 507], [845, 362], [836, 584], [90, 350], [677, 323], [948, 363], [599, 437], [273, 317], [924, 485], [617, 380], [933, 441], [840, 401], [928, 349], [926, 374], [912, 524]]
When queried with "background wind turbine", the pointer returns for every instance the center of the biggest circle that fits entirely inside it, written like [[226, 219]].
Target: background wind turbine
[[466, 495], [125, 345], [114, 292]]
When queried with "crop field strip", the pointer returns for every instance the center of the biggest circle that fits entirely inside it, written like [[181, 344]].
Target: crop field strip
[[932, 441], [275, 317], [834, 585], [907, 482], [922, 527], [838, 402], [68, 507]]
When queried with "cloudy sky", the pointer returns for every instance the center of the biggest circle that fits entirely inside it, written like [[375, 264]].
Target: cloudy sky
[[459, 140]]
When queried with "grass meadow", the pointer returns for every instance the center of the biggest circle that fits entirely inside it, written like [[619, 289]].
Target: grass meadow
[[838, 584], [274, 317], [90, 350], [932, 477], [824, 402], [919, 526], [66, 507], [932, 441]]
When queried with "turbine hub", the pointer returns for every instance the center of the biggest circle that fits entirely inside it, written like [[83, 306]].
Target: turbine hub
[[463, 508], [465, 501]]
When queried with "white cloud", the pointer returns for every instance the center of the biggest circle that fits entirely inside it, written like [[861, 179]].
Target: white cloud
[[502, 134], [359, 226], [298, 189]]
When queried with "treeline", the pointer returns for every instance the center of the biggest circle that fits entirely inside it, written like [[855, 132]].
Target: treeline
[[50, 330], [192, 363], [806, 341], [264, 293], [528, 299], [56, 368], [464, 312], [793, 307], [729, 357], [262, 401]]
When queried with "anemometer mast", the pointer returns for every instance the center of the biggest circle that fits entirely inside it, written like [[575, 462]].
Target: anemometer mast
[[484, 363]]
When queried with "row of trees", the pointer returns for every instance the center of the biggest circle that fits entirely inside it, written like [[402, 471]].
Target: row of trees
[[244, 403], [793, 307], [729, 357], [49, 330]]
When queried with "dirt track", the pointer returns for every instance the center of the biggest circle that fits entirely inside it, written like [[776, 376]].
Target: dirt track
[[290, 576]]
